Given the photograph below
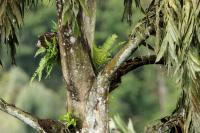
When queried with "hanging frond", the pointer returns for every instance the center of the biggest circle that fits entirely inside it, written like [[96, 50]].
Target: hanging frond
[[138, 4], [11, 19], [127, 14], [180, 43], [180, 46]]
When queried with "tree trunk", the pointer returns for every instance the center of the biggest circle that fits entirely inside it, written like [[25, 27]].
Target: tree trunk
[[86, 92], [97, 107]]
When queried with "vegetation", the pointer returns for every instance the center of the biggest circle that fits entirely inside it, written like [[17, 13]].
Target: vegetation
[[68, 120], [102, 54], [49, 60], [92, 71]]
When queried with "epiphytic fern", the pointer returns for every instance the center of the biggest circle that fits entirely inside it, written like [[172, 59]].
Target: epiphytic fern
[[51, 55], [101, 54]]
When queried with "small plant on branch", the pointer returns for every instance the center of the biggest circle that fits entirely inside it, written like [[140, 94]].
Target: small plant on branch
[[49, 60], [68, 120]]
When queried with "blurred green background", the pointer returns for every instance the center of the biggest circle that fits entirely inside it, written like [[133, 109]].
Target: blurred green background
[[145, 94]]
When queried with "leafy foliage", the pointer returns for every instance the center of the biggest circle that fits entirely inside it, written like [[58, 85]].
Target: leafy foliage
[[177, 30], [11, 19], [68, 120], [54, 26], [180, 39], [103, 53], [49, 60]]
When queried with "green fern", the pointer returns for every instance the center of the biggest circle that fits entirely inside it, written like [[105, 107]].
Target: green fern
[[102, 54], [49, 59]]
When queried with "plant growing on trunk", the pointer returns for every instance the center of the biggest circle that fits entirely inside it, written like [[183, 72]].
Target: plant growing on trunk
[[176, 26]]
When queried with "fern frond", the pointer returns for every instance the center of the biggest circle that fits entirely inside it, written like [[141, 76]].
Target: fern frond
[[102, 54], [107, 45], [40, 51], [49, 59]]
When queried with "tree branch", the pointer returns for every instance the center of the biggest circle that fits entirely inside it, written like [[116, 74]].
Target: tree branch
[[41, 125], [89, 22], [21, 115], [136, 38], [130, 65]]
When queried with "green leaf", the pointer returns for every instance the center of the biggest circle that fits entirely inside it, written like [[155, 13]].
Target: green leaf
[[162, 50], [40, 51], [103, 53], [107, 45], [2, 7], [68, 120]]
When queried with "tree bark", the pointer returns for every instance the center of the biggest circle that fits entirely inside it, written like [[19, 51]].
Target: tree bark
[[97, 106], [76, 64]]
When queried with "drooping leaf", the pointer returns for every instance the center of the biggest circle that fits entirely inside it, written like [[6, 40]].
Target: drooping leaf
[[127, 14], [163, 48], [11, 20]]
